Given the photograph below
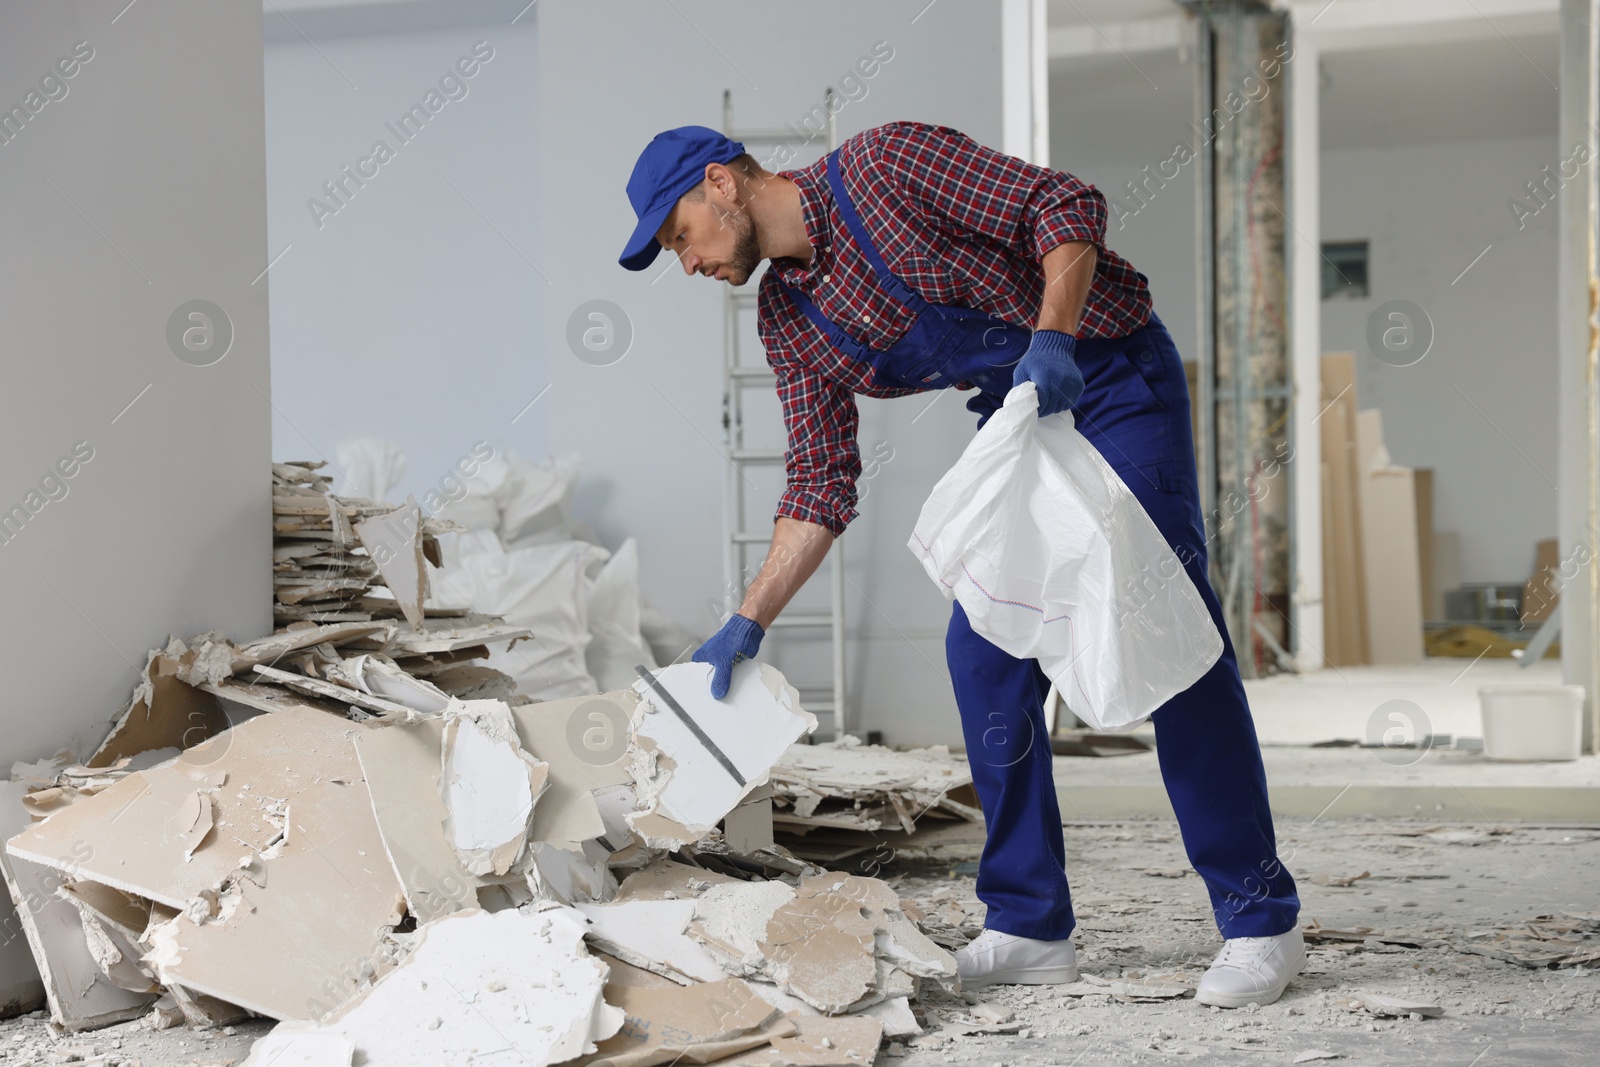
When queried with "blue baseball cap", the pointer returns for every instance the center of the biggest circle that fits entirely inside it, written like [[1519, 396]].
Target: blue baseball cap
[[670, 165]]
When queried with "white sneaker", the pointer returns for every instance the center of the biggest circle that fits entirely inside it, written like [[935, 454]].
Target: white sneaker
[[1252, 970], [993, 958]]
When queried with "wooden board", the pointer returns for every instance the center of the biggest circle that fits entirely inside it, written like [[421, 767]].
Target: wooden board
[[1422, 483], [1389, 549], [1344, 594]]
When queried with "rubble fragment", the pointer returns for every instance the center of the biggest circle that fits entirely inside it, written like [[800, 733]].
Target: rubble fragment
[[519, 980]]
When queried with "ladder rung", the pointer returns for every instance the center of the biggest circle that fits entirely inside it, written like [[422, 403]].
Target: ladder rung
[[757, 455], [745, 297], [751, 372], [763, 136], [805, 618], [745, 537]]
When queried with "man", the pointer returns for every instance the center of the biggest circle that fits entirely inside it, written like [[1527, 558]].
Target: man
[[913, 258]]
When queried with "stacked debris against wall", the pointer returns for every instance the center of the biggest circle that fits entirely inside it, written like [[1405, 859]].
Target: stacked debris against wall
[[838, 800], [350, 827]]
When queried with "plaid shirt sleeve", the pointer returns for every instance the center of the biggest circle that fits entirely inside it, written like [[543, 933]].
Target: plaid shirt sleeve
[[823, 460], [975, 190]]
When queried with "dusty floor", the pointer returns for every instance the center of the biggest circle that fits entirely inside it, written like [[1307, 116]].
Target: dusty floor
[[1436, 885]]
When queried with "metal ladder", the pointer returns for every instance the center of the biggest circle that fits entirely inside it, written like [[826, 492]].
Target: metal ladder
[[824, 701]]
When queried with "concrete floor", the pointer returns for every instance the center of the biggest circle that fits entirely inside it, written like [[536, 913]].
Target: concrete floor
[[1442, 883]]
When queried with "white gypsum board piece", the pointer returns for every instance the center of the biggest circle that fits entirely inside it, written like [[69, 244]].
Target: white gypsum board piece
[[124, 837], [300, 944], [519, 982], [760, 717]]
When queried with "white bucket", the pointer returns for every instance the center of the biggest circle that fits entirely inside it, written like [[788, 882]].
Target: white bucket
[[1532, 722]]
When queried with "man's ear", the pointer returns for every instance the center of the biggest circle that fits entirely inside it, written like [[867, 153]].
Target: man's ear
[[721, 179]]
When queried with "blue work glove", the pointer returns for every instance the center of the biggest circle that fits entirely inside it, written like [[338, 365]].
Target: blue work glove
[[739, 638], [1049, 365]]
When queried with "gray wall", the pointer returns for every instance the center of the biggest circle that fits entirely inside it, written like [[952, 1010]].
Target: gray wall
[[650, 425], [140, 189]]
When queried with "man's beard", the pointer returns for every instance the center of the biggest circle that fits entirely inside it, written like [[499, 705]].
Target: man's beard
[[746, 256]]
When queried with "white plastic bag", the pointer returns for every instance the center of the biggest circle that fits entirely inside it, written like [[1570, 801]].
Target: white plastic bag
[[370, 467], [1054, 559], [616, 648], [542, 587]]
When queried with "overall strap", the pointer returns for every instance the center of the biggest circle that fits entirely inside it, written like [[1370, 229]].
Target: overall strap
[[847, 210], [830, 329]]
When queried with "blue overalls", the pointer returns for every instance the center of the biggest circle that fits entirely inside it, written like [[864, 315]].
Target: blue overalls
[[1135, 411]]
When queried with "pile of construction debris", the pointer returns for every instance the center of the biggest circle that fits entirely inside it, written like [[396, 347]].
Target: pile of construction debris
[[837, 800], [352, 827]]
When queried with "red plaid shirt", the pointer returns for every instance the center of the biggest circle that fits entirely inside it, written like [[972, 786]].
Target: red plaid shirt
[[961, 224]]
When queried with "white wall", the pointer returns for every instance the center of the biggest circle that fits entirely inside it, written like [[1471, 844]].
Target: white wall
[[650, 425], [139, 190], [1429, 210], [414, 312], [1427, 206]]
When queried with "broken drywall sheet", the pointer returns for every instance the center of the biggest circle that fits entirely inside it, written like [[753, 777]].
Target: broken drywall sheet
[[841, 944], [896, 1016], [165, 711], [114, 951], [750, 729], [445, 635], [514, 986], [299, 945], [489, 785], [401, 764], [820, 1041], [20, 987], [731, 921], [394, 541], [571, 877], [339, 693], [665, 879], [844, 784], [585, 741], [274, 647], [79, 995], [380, 676], [130, 835], [650, 934], [695, 1024]]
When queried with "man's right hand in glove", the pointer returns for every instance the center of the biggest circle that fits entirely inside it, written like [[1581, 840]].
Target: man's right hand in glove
[[739, 638]]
